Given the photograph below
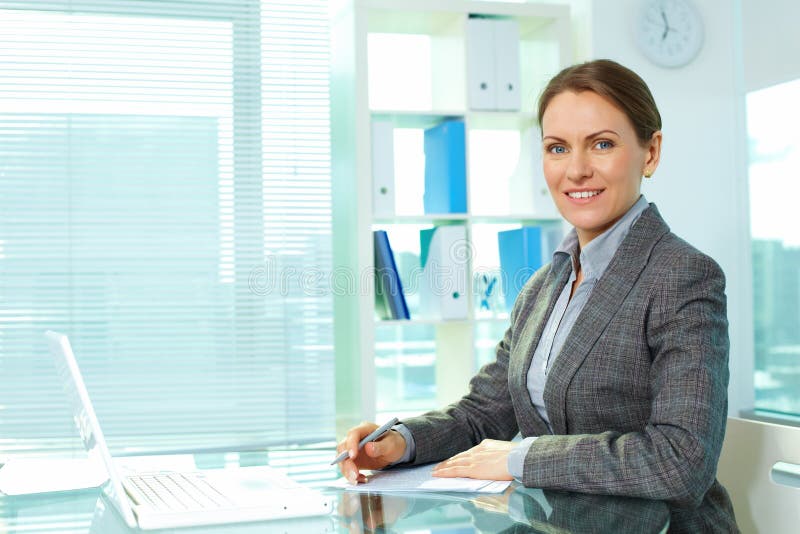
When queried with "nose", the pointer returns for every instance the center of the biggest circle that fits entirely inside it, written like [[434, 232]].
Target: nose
[[579, 167]]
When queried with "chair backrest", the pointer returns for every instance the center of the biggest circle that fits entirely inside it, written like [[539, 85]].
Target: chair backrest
[[761, 500]]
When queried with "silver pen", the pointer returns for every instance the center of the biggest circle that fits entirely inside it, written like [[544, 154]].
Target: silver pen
[[378, 432]]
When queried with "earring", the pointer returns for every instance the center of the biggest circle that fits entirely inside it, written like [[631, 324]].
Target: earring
[[648, 174]]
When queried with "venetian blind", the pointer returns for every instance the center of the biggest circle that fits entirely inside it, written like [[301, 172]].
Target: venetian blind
[[165, 201]]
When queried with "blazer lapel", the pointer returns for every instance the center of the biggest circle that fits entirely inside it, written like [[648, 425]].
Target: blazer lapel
[[606, 298], [536, 311]]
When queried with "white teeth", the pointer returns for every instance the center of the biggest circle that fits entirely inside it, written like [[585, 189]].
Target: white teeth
[[583, 194]]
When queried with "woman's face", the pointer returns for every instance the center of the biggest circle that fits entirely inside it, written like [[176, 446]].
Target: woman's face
[[593, 161]]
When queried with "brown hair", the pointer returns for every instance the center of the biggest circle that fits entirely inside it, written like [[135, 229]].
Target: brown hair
[[623, 87]]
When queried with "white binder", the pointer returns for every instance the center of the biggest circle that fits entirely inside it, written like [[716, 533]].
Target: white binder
[[481, 89], [383, 168], [543, 205], [493, 76], [506, 65], [443, 288]]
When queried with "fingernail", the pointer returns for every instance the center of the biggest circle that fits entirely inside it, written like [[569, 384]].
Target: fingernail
[[351, 476]]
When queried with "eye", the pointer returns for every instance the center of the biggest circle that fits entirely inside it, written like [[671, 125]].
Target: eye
[[557, 149], [604, 144]]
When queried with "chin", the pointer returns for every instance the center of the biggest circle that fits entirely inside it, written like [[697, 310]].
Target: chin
[[589, 223]]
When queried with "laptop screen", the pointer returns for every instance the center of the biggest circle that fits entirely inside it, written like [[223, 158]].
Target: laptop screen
[[86, 421]]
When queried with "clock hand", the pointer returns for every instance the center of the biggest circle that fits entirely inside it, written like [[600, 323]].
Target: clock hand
[[666, 24]]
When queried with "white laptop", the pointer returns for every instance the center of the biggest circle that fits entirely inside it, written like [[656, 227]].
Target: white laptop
[[167, 499]]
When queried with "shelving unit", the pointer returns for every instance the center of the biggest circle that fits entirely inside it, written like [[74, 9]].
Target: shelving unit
[[404, 61]]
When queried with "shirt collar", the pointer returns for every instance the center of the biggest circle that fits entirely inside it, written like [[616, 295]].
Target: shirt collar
[[596, 256]]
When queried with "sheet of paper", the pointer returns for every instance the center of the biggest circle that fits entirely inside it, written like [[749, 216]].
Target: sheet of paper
[[25, 476], [420, 479]]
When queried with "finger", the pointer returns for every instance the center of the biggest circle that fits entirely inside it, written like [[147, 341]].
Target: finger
[[461, 455], [340, 448], [451, 472], [354, 436], [351, 442], [349, 470], [373, 449], [455, 461]]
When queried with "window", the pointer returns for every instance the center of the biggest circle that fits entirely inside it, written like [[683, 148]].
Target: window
[[772, 117], [165, 201]]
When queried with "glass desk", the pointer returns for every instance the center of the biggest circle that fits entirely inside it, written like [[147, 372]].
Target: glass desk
[[519, 509]]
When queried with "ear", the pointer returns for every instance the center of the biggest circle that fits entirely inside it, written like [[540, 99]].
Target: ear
[[653, 154]]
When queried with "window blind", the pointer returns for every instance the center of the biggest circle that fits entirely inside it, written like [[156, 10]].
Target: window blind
[[165, 201]]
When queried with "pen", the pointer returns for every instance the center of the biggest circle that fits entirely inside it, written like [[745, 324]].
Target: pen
[[380, 431]]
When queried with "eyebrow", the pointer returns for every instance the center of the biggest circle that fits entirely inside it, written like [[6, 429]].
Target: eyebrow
[[590, 136]]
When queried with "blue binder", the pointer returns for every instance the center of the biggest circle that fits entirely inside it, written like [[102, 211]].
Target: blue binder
[[520, 257], [445, 168], [390, 302]]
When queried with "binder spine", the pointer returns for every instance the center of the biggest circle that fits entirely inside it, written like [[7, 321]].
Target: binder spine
[[389, 296], [383, 193]]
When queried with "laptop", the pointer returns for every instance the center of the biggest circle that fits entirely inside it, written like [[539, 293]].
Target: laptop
[[168, 499]]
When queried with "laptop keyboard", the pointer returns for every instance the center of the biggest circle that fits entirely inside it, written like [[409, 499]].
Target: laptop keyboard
[[176, 492]]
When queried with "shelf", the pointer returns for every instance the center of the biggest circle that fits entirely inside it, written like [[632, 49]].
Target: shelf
[[418, 322], [412, 18], [518, 218], [422, 219], [408, 360], [474, 219], [485, 120], [416, 118], [437, 322], [405, 63], [501, 120], [537, 12]]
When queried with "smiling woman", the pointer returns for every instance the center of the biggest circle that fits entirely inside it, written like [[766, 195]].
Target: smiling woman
[[615, 365], [594, 169]]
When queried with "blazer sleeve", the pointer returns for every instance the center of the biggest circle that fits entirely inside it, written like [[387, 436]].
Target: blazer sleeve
[[486, 411], [674, 457]]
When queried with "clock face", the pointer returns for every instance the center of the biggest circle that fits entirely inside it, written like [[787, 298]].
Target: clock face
[[669, 32]]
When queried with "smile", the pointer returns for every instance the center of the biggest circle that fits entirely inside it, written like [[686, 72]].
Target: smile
[[584, 194]]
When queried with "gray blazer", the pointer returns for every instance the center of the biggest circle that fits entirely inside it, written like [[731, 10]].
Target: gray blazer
[[637, 397]]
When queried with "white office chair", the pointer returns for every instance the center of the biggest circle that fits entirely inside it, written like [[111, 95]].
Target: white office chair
[[762, 500]]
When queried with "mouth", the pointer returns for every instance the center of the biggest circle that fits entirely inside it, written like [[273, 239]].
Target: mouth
[[583, 195]]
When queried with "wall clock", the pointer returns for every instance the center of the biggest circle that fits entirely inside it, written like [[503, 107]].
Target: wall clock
[[669, 32]]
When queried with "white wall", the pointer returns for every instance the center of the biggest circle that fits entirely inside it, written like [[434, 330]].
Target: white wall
[[771, 42], [700, 186]]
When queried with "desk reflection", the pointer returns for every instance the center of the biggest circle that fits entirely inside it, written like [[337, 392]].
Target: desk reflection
[[518, 509], [106, 520]]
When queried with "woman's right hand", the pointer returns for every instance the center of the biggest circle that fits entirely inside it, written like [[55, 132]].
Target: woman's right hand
[[374, 455]]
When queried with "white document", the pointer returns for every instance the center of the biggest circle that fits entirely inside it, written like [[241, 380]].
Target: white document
[[420, 479], [383, 168], [26, 476], [481, 88], [506, 64]]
